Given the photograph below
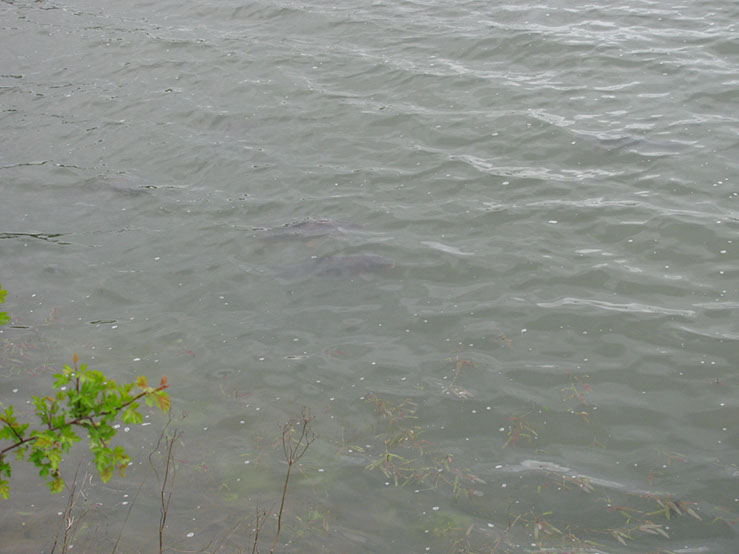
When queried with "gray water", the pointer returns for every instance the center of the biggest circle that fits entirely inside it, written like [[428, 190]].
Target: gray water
[[547, 358]]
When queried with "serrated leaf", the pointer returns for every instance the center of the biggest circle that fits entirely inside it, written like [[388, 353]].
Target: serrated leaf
[[162, 399], [141, 382], [106, 473], [57, 485], [131, 415]]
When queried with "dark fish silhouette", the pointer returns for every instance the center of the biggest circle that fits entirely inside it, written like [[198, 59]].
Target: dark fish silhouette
[[309, 229], [120, 184], [341, 266], [639, 145]]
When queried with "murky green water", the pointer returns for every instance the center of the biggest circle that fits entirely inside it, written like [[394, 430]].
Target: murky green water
[[492, 247]]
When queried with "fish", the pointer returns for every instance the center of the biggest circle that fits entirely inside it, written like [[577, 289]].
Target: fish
[[119, 184], [638, 145], [353, 265], [309, 229]]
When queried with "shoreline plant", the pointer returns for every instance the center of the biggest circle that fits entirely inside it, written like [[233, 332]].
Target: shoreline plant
[[85, 400]]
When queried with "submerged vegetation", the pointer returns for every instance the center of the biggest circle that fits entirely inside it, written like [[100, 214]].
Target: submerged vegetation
[[526, 499]]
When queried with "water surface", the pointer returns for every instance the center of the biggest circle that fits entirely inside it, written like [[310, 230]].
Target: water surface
[[550, 361]]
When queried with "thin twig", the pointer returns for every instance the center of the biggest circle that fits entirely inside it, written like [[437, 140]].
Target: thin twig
[[293, 452], [497, 544], [128, 513], [165, 496]]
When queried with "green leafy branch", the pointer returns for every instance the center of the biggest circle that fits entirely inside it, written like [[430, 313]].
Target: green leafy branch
[[85, 399]]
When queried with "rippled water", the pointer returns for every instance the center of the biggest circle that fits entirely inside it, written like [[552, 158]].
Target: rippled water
[[511, 294]]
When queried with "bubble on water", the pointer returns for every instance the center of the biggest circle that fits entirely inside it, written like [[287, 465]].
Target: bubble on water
[[190, 534]]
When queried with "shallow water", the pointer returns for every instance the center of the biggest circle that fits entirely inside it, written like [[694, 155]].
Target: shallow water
[[554, 351]]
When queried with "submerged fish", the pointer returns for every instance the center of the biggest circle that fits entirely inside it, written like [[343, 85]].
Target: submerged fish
[[120, 184], [309, 229], [638, 145], [341, 266]]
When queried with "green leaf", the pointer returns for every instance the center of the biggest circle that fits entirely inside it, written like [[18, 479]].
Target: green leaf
[[106, 473], [131, 415], [4, 318], [162, 399], [57, 485]]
